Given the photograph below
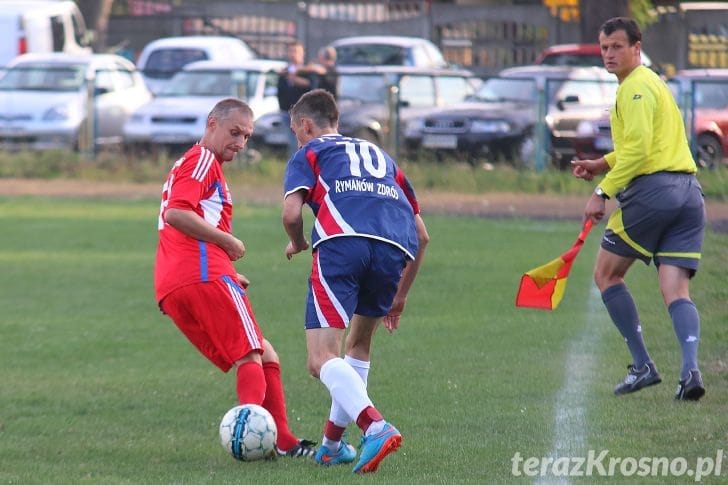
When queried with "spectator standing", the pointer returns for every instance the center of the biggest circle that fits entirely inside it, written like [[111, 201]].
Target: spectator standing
[[294, 81]]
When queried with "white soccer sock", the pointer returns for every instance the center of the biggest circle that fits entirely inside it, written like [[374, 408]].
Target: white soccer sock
[[346, 388], [331, 444], [337, 415], [375, 427], [360, 366]]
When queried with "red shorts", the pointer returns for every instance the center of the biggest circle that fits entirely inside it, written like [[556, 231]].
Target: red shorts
[[217, 318]]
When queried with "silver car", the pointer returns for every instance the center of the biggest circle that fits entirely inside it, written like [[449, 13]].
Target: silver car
[[388, 50], [44, 99], [177, 115]]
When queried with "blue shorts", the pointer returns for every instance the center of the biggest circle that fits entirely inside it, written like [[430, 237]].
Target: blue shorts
[[661, 216], [352, 274]]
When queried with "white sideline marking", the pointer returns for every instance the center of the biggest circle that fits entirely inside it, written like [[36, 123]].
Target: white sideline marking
[[570, 428]]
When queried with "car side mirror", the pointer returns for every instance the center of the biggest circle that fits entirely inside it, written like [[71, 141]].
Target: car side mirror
[[570, 99]]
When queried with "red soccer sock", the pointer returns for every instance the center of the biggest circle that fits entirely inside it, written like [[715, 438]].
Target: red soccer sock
[[251, 383], [275, 403], [367, 417], [333, 432]]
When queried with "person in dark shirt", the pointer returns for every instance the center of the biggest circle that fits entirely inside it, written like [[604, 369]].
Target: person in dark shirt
[[293, 82]]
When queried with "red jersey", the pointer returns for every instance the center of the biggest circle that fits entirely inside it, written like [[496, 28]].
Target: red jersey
[[195, 183]]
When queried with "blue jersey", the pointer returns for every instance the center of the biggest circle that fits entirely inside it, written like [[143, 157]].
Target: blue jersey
[[354, 189]]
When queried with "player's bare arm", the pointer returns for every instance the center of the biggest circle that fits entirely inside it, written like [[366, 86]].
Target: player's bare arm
[[595, 208], [391, 320], [293, 223], [588, 169], [195, 227]]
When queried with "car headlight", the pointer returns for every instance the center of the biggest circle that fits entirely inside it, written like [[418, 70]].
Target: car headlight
[[60, 112], [586, 128], [414, 127], [489, 126]]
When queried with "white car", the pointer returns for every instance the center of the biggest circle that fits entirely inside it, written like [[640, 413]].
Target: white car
[[178, 114], [44, 99], [41, 26], [163, 58], [388, 50]]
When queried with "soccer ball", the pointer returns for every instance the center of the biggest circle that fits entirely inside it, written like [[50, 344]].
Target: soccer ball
[[248, 432]]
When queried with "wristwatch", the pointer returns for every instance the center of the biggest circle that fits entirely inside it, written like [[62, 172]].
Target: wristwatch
[[601, 193]]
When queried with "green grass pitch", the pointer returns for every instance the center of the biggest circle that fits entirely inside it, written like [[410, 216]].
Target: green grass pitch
[[96, 386]]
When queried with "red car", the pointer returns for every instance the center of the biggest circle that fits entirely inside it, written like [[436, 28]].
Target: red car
[[571, 55], [576, 55], [707, 91]]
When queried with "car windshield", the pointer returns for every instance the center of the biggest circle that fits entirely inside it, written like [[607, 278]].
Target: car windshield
[[164, 63], [711, 94], [372, 55], [367, 88], [44, 77], [584, 92], [212, 83], [576, 60], [498, 89]]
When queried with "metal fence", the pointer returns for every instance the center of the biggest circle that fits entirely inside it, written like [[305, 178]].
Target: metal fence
[[484, 39]]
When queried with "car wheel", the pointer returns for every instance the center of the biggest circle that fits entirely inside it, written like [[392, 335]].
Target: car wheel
[[709, 152], [526, 150]]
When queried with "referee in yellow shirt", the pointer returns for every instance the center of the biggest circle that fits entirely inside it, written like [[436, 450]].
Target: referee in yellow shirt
[[661, 212]]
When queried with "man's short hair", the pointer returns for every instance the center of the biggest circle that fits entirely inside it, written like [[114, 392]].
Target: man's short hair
[[623, 23], [318, 105], [223, 108], [327, 53]]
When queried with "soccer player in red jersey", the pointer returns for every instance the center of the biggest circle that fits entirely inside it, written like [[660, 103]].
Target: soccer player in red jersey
[[195, 281]]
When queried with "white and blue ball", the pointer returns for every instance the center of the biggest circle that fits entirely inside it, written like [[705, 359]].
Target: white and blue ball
[[248, 432]]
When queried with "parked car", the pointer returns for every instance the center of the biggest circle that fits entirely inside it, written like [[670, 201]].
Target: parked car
[[577, 55], [177, 115], [500, 120], [388, 50], [44, 99], [708, 128], [41, 26], [708, 89], [363, 100], [163, 58]]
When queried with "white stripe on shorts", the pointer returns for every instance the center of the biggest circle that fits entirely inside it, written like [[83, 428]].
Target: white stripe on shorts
[[248, 324]]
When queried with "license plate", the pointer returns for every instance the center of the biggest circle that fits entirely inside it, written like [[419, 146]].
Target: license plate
[[440, 141], [603, 144]]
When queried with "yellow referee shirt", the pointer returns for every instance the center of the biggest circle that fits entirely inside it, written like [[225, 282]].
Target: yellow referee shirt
[[647, 130]]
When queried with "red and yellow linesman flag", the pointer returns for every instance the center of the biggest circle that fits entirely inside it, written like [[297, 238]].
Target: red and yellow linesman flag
[[544, 287]]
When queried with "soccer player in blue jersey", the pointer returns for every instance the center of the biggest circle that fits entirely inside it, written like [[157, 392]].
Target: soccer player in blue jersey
[[368, 242], [661, 214]]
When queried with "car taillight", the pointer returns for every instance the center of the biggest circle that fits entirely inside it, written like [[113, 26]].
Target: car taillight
[[22, 45]]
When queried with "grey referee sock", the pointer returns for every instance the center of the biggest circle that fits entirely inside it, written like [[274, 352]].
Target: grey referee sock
[[686, 322], [622, 309]]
